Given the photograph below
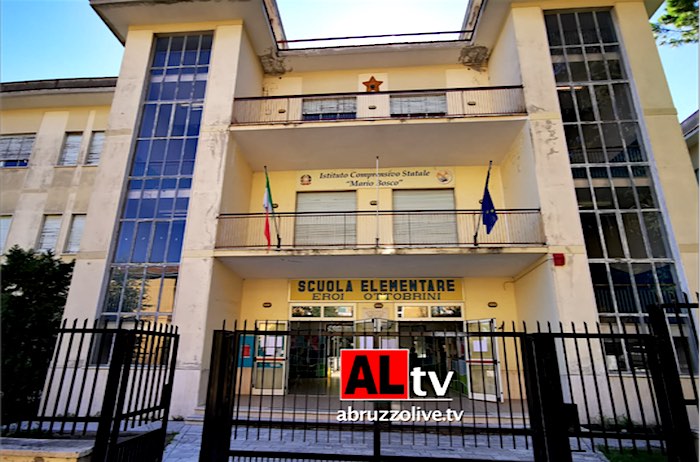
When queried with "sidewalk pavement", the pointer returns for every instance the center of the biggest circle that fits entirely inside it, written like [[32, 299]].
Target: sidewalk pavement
[[185, 445]]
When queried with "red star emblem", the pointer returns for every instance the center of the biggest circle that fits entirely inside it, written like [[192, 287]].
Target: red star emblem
[[372, 84]]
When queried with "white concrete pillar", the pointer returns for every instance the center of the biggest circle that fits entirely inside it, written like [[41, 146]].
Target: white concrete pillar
[[208, 291], [570, 285], [92, 262]]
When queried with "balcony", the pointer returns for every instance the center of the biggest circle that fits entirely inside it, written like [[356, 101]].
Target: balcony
[[347, 130], [462, 102], [385, 230]]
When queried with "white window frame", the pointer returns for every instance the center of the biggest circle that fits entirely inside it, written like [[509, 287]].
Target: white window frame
[[67, 148], [430, 317], [322, 317], [4, 230], [72, 246], [16, 149], [97, 155], [44, 235]]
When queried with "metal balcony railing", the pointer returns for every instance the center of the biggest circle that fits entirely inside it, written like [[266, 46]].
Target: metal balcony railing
[[369, 229], [452, 103]]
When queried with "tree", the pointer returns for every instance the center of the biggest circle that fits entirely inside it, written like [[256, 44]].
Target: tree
[[34, 290], [679, 23]]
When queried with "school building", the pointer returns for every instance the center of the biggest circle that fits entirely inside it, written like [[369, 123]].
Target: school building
[[373, 161]]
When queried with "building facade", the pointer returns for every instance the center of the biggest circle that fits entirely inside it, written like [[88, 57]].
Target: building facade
[[373, 160]]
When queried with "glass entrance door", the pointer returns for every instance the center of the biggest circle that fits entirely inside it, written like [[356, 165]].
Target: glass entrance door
[[366, 330], [270, 362], [483, 367]]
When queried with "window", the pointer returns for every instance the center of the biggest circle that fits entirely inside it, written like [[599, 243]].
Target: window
[[316, 312], [71, 149], [326, 219], [49, 233], [95, 150], [76, 233], [5, 222], [423, 312], [329, 108], [15, 150], [145, 264], [418, 105], [425, 217], [629, 258]]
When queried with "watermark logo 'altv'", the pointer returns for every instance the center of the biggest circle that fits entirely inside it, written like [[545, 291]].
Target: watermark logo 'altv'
[[384, 375]]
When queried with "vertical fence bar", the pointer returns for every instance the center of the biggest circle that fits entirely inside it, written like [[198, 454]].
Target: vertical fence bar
[[674, 416], [550, 441], [109, 402], [216, 433]]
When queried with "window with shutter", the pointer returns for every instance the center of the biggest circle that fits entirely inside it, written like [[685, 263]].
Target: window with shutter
[[329, 108], [71, 149], [15, 150], [95, 150], [321, 221], [425, 217], [49, 233], [5, 222], [418, 105], [76, 233]]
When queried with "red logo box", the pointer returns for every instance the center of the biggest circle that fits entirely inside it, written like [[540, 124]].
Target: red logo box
[[373, 374]]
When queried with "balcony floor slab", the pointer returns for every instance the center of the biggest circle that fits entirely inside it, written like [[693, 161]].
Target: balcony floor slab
[[382, 262], [398, 142]]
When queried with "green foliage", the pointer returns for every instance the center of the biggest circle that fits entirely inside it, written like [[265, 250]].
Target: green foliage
[[679, 23], [34, 290], [630, 455]]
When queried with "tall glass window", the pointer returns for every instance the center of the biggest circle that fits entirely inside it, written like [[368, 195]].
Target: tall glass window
[[626, 241], [146, 260]]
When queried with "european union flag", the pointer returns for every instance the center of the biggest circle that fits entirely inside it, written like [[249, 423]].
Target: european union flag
[[488, 211]]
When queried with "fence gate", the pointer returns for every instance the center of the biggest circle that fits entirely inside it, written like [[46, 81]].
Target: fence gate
[[137, 396], [564, 391], [113, 382]]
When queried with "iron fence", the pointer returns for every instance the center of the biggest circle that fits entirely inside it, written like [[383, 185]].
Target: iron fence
[[111, 382], [455, 103], [542, 392], [358, 229]]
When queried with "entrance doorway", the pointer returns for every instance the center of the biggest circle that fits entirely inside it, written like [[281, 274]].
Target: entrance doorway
[[483, 369], [314, 356]]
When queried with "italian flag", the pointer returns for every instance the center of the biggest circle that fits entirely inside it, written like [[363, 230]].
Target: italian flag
[[267, 205]]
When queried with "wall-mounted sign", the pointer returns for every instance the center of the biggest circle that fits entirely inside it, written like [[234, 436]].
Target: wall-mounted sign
[[376, 289], [395, 178]]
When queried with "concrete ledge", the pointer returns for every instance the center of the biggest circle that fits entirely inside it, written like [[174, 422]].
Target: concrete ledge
[[44, 450]]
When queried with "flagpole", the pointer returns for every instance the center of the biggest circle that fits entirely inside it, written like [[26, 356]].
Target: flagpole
[[272, 209], [377, 207], [478, 223]]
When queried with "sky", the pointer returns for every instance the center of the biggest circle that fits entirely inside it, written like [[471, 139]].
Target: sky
[[48, 39]]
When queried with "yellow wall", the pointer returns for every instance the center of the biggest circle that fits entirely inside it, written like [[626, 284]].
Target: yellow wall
[[468, 190], [397, 78], [478, 292], [44, 187], [504, 68]]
